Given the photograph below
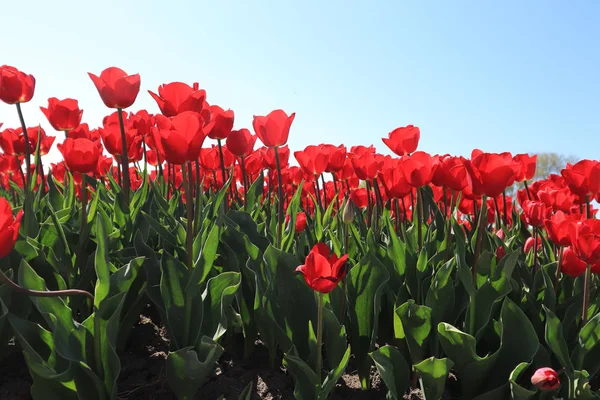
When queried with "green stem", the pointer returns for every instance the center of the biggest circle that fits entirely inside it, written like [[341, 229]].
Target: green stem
[[369, 205], [27, 149], [98, 343], [343, 301], [419, 219], [223, 175], [189, 235], [43, 293], [558, 267], [449, 225], [280, 203], [245, 182], [319, 365], [84, 200], [480, 229], [586, 295], [124, 157]]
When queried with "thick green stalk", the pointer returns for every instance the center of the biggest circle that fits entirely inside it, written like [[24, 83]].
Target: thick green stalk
[[124, 157], [558, 267], [189, 235], [27, 149], [43, 293], [480, 233], [223, 175], [245, 181], [84, 200], [419, 219], [586, 295], [280, 203], [319, 365]]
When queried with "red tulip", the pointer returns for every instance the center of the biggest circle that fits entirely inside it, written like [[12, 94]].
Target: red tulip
[[346, 172], [323, 271], [142, 122], [179, 139], [210, 158], [103, 166], [418, 168], [557, 227], [529, 244], [545, 379], [9, 227], [111, 137], [268, 157], [526, 170], [360, 197], [222, 122], [273, 130], [83, 131], [534, 213], [490, 173], [404, 140], [254, 163], [241, 142], [300, 222], [80, 155], [583, 178], [12, 141], [336, 157], [63, 115], [585, 240], [116, 88], [571, 264], [15, 86], [312, 160], [559, 199], [176, 97], [395, 183], [453, 174], [365, 166]]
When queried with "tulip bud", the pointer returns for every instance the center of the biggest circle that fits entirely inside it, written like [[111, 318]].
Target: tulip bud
[[545, 379], [348, 213]]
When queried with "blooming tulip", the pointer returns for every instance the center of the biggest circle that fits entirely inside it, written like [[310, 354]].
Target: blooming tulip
[[322, 271]]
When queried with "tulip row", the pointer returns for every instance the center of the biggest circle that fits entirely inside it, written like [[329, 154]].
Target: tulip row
[[414, 263]]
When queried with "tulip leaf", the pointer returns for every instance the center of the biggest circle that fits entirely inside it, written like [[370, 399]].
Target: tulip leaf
[[255, 192], [366, 283], [284, 290], [416, 324], [334, 375], [203, 262], [189, 367], [517, 391], [489, 293], [556, 341], [518, 343], [218, 296], [394, 370], [440, 297], [396, 250], [307, 383], [292, 210], [433, 373], [162, 231]]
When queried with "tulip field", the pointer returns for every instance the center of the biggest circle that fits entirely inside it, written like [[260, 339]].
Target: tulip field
[[168, 240]]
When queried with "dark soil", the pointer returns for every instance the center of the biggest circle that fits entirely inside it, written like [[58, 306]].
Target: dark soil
[[143, 373]]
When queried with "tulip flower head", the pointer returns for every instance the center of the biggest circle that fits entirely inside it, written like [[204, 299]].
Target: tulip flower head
[[545, 379], [9, 227], [323, 271]]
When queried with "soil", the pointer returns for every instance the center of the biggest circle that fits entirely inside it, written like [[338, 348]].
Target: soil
[[143, 373]]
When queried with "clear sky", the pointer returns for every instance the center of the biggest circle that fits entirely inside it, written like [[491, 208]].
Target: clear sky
[[520, 76]]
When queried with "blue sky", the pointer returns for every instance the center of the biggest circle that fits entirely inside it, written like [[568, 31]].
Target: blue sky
[[520, 76]]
